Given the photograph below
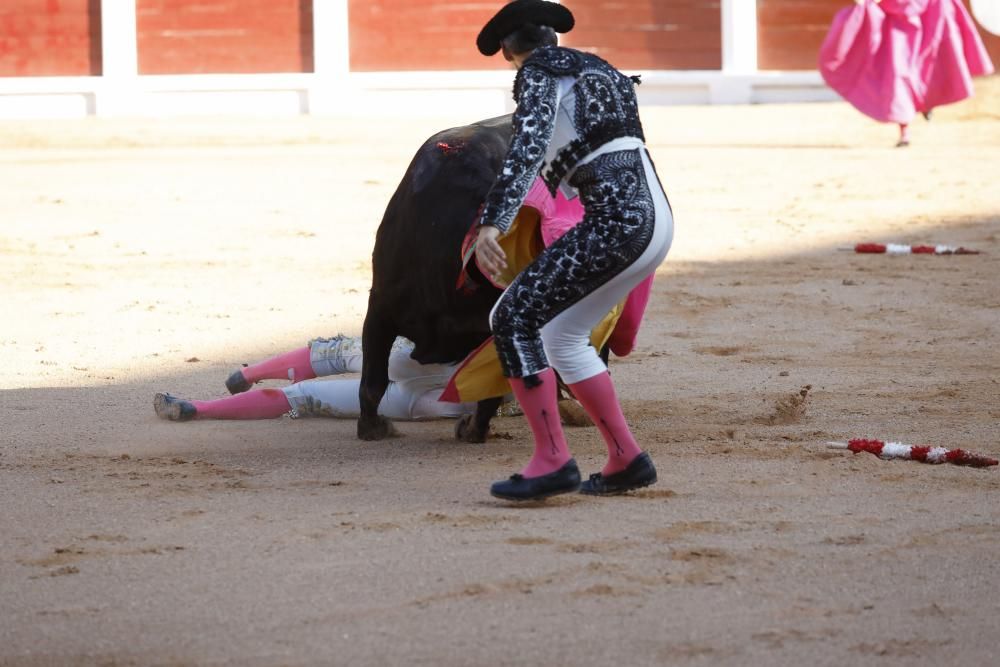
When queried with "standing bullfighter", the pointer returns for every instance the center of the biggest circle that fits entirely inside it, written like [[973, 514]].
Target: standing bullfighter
[[577, 125]]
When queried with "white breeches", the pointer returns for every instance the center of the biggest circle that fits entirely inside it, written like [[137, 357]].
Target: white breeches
[[412, 394], [566, 337]]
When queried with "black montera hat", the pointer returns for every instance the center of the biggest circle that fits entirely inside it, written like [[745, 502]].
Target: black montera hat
[[515, 14]]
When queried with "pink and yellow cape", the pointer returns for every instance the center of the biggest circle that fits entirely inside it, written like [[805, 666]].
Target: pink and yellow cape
[[541, 220]]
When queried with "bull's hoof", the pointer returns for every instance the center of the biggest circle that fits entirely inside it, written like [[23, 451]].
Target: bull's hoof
[[379, 429], [466, 430]]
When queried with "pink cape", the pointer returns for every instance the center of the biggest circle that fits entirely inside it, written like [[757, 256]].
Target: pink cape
[[895, 58]]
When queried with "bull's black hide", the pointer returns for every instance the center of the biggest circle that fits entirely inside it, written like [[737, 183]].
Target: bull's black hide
[[416, 264]]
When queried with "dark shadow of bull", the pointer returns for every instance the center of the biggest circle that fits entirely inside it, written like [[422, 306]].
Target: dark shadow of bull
[[416, 264]]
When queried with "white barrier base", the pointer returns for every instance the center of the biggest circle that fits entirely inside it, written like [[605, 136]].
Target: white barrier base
[[479, 94]]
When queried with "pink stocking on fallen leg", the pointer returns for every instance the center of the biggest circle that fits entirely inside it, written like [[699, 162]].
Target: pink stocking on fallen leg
[[540, 406], [294, 366], [598, 398], [257, 404]]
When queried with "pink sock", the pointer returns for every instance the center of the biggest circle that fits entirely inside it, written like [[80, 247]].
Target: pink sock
[[292, 366], [256, 404], [622, 339], [598, 398], [542, 411]]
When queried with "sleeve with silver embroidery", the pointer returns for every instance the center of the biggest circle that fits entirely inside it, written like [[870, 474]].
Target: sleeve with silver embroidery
[[534, 122]]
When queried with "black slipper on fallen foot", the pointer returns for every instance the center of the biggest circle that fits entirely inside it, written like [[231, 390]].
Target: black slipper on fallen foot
[[639, 473], [237, 384], [173, 408], [519, 487]]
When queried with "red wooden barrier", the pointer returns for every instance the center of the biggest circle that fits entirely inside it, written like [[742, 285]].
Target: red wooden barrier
[[50, 37], [398, 35], [635, 34], [789, 34], [62, 37], [650, 34], [223, 36]]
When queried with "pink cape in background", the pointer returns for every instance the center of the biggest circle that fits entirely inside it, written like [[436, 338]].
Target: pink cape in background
[[899, 57]]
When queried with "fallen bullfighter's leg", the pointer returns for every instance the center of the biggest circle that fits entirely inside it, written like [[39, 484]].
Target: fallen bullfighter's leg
[[322, 357]]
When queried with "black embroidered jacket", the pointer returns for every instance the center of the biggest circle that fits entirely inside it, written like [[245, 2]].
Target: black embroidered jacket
[[569, 104]]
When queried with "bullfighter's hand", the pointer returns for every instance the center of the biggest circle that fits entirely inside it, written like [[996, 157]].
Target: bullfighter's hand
[[489, 255]]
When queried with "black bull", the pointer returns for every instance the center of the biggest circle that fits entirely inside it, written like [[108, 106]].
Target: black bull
[[416, 264]]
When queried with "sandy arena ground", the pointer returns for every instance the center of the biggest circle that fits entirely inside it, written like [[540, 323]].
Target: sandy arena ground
[[158, 255]]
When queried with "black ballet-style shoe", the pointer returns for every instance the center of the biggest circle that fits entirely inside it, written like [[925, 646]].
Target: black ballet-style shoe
[[173, 408], [237, 384], [519, 487], [639, 473]]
